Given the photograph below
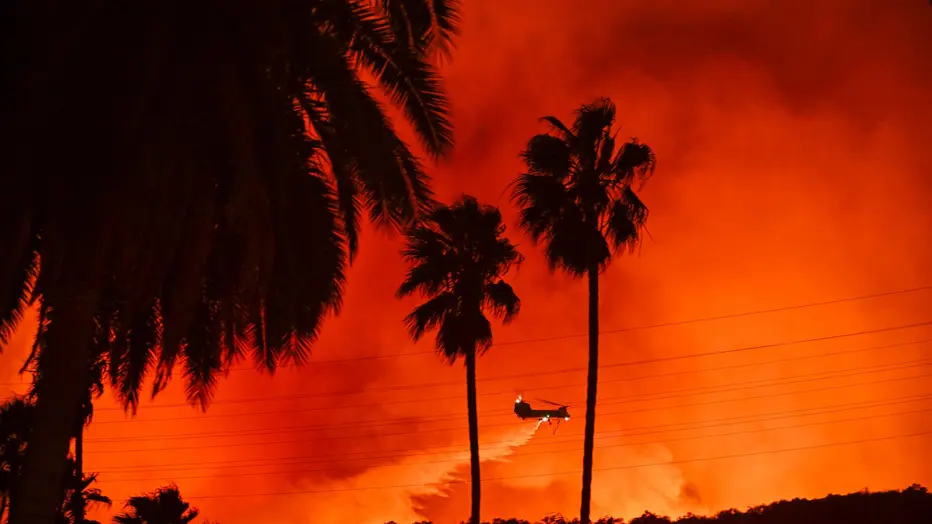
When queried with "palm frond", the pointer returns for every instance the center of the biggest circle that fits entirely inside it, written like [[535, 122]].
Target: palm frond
[[503, 300], [184, 288], [544, 202], [574, 245], [202, 354], [430, 314], [424, 25], [405, 76], [133, 354], [366, 136], [464, 332], [432, 261], [564, 133], [38, 342], [548, 155], [428, 278], [344, 170], [634, 160], [626, 219], [590, 123], [320, 261], [18, 292]]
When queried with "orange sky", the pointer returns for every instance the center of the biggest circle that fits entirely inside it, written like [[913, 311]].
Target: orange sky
[[792, 144]]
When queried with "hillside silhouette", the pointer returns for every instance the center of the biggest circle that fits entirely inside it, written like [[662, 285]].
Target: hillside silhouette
[[912, 505]]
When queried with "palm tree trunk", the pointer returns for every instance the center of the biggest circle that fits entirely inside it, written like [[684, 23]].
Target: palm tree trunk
[[77, 504], [592, 384], [59, 391], [473, 433]]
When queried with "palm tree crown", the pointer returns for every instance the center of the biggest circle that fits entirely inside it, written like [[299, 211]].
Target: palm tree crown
[[458, 256], [229, 181], [578, 195], [207, 199]]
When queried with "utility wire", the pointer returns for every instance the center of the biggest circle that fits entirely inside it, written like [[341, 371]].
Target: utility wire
[[620, 364], [539, 453], [620, 330], [636, 431], [460, 397], [457, 416], [573, 472], [348, 437]]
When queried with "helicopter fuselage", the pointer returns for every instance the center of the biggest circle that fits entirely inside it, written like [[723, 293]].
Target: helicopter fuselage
[[524, 411]]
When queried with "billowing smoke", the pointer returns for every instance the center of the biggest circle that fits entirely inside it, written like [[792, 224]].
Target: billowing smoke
[[792, 140]]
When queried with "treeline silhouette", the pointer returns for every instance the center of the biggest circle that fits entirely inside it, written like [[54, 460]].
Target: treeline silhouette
[[912, 505]]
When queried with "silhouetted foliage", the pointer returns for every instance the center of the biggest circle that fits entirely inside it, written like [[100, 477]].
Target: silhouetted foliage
[[210, 204], [79, 496], [162, 506], [458, 255], [578, 198], [76, 494], [16, 420], [912, 505]]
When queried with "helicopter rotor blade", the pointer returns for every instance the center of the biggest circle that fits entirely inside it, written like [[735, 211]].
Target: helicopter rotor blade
[[551, 403]]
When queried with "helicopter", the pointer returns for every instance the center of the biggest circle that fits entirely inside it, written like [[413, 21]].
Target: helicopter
[[524, 411]]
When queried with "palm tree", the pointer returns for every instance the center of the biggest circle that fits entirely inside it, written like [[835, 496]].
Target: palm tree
[[77, 481], [578, 197], [208, 196], [458, 256], [163, 506]]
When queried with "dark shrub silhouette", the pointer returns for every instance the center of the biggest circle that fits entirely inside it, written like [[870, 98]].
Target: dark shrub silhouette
[[163, 506]]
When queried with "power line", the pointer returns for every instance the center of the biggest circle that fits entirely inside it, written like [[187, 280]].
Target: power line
[[659, 324], [636, 398], [620, 364], [817, 410], [624, 329], [574, 472], [457, 416], [346, 437], [696, 425], [460, 428], [460, 397], [872, 369], [548, 452]]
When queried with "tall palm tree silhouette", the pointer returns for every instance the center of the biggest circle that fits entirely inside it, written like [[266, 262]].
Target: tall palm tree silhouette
[[163, 506], [77, 481], [224, 170], [578, 198], [458, 255]]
